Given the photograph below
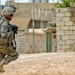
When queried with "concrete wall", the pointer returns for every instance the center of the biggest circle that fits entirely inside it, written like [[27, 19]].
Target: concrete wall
[[25, 9], [65, 21], [65, 34], [25, 42], [20, 41]]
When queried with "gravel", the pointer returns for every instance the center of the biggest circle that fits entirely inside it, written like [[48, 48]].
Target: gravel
[[62, 63]]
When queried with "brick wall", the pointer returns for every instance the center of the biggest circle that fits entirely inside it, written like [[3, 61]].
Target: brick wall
[[65, 21]]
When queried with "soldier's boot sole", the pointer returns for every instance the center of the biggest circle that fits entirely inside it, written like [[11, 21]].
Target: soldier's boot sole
[[1, 66]]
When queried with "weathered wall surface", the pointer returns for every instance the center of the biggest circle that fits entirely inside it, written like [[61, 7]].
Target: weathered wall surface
[[24, 10], [65, 21], [65, 30], [25, 42], [20, 41], [21, 17]]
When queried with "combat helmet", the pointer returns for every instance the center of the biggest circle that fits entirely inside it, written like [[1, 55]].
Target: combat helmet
[[7, 11], [14, 7]]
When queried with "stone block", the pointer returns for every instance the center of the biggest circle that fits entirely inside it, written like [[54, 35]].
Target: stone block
[[74, 41], [69, 23], [69, 33], [60, 50], [60, 42], [74, 27], [69, 42], [71, 28], [64, 28], [64, 10], [58, 28], [58, 19], [64, 37], [59, 14], [72, 37], [57, 10], [64, 19], [59, 47], [60, 33], [60, 24], [74, 32], [58, 38], [67, 14], [66, 46], [68, 50]]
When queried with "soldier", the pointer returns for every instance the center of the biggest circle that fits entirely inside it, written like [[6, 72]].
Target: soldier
[[13, 7], [7, 52]]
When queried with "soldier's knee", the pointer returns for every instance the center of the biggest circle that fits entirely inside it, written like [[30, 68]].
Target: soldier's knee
[[10, 58]]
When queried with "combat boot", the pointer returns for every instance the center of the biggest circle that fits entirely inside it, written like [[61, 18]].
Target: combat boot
[[1, 66]]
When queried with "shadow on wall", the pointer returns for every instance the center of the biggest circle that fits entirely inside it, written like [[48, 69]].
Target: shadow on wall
[[72, 14]]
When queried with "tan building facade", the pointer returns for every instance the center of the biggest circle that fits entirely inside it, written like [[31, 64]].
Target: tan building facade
[[43, 37], [62, 41]]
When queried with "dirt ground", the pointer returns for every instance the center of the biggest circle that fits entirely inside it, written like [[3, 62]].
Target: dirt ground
[[42, 64]]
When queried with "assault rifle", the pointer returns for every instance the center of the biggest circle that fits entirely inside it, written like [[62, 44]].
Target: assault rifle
[[14, 29]]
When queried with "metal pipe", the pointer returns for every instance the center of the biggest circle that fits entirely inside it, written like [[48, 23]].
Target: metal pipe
[[33, 17]]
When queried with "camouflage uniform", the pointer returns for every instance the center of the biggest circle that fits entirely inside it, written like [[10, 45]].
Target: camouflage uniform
[[7, 51], [5, 47]]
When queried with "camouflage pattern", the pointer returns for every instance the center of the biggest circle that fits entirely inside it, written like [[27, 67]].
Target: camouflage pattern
[[7, 11], [5, 44], [10, 52]]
